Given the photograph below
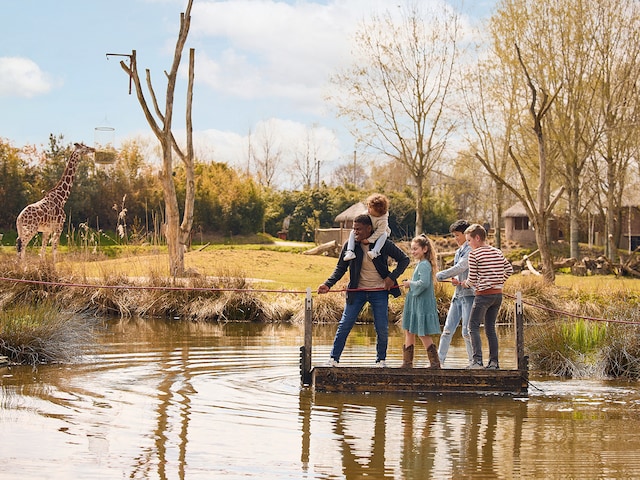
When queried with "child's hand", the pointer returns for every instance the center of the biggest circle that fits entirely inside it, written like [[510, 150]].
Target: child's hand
[[406, 283], [364, 242]]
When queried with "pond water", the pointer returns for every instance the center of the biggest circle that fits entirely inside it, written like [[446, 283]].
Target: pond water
[[180, 400]]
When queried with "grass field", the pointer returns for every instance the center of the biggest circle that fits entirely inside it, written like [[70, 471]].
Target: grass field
[[280, 266]]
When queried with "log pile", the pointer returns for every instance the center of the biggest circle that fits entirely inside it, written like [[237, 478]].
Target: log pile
[[603, 266], [631, 266]]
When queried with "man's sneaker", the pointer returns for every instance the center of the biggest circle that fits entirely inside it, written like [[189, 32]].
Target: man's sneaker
[[372, 254], [381, 364], [331, 363], [475, 366], [349, 255], [492, 366]]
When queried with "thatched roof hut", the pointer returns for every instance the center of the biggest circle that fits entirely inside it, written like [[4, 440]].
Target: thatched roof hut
[[345, 219]]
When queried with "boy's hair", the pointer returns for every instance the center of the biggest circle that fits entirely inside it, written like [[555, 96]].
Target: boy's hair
[[477, 230], [459, 226], [379, 203]]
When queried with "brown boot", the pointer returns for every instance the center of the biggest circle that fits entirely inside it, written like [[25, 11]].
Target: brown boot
[[407, 357], [434, 360]]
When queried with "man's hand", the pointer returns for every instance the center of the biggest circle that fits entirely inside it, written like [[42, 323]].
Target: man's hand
[[389, 283], [323, 288]]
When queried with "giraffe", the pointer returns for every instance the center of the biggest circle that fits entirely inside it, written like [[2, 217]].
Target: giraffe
[[47, 215]]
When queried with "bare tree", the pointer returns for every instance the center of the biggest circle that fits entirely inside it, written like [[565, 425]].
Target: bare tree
[[177, 232], [617, 57], [266, 154], [493, 100], [394, 94], [538, 204], [306, 159]]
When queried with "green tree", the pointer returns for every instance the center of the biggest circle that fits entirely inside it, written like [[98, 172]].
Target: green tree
[[13, 191]]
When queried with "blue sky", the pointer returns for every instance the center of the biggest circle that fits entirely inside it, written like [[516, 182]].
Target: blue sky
[[257, 62]]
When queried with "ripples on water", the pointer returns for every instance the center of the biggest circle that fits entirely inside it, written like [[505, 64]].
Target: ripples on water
[[182, 400]]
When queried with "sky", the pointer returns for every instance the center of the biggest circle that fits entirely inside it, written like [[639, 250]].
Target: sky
[[260, 64]]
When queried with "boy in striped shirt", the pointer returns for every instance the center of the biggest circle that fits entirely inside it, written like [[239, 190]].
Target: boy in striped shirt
[[488, 270]]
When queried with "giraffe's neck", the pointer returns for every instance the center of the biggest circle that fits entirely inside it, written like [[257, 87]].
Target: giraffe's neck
[[62, 190]]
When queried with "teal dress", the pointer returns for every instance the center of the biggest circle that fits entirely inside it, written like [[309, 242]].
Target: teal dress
[[420, 315]]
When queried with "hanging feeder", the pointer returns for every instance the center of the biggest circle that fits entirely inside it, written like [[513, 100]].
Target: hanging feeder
[[105, 153]]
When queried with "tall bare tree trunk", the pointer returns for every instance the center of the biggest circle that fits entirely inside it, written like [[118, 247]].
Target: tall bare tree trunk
[[177, 233]]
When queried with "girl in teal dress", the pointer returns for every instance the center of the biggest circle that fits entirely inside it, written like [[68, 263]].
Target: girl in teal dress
[[420, 315]]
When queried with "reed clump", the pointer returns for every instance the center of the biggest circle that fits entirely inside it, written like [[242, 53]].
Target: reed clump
[[39, 334]]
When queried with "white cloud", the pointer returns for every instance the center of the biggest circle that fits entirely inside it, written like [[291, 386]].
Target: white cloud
[[255, 49], [23, 78]]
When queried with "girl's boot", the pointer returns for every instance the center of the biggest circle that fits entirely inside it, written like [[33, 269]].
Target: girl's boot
[[434, 360], [407, 357]]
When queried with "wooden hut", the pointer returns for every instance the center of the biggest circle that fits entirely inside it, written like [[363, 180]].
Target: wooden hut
[[344, 220], [630, 238], [518, 227]]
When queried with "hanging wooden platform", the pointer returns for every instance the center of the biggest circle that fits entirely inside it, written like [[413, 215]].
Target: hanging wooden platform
[[512, 382]]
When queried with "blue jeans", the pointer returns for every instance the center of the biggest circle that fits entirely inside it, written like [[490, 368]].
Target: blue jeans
[[485, 308], [460, 309], [379, 301]]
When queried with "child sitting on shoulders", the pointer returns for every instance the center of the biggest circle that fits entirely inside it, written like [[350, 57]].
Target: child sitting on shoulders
[[378, 209]]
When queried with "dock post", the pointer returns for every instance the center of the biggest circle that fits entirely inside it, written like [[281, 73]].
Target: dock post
[[305, 351], [522, 360]]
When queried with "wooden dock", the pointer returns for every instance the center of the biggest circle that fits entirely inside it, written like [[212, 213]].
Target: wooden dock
[[511, 382]]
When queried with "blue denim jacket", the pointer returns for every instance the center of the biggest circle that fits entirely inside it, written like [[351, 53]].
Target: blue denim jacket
[[460, 269]]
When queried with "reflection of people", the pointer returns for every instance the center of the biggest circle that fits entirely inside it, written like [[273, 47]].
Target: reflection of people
[[420, 314], [378, 208], [462, 297], [369, 281], [488, 270]]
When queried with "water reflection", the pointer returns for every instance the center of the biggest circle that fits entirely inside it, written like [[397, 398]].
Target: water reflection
[[177, 400], [382, 436]]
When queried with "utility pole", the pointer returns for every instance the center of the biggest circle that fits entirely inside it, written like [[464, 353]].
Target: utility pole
[[354, 168]]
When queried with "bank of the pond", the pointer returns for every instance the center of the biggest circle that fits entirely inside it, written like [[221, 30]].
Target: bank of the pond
[[559, 340]]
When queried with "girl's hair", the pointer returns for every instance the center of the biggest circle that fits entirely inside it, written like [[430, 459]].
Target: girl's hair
[[429, 255], [379, 203]]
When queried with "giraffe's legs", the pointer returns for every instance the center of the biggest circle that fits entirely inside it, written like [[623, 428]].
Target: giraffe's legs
[[24, 237], [55, 239], [45, 241]]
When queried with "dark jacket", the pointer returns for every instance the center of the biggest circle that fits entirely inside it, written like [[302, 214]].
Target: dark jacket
[[389, 249]]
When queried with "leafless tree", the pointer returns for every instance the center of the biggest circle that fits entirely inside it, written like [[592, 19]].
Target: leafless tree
[[177, 232], [394, 94]]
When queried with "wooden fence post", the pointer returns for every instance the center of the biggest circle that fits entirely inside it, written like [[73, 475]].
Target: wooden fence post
[[305, 350], [522, 359]]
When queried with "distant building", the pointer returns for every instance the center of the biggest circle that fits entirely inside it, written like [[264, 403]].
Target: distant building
[[344, 221], [518, 227], [630, 238]]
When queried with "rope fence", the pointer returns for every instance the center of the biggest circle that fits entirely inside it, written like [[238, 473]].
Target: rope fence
[[282, 291]]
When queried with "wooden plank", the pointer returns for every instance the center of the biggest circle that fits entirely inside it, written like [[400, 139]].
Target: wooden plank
[[419, 380]]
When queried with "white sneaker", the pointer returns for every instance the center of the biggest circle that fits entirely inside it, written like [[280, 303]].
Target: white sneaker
[[475, 366], [331, 363], [381, 364], [372, 254], [349, 255]]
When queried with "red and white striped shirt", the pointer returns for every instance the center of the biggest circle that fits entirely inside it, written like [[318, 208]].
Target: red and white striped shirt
[[488, 269]]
